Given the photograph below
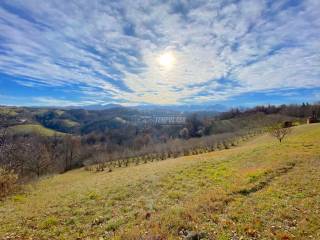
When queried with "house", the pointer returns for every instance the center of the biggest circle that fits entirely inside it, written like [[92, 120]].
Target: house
[[313, 118]]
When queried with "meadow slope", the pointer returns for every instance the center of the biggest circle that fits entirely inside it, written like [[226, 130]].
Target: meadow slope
[[259, 190], [34, 129]]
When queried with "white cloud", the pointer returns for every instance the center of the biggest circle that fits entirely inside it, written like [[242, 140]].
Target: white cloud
[[80, 43]]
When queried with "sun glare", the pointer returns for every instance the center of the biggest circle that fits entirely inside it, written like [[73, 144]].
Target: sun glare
[[166, 60]]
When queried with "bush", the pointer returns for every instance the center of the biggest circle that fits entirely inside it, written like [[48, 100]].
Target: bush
[[88, 168], [7, 182]]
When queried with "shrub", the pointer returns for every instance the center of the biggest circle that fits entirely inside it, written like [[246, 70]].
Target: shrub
[[7, 182], [93, 196], [49, 222], [100, 167], [114, 224], [279, 132], [19, 198]]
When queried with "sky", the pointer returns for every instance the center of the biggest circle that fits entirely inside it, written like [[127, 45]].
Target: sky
[[78, 52]]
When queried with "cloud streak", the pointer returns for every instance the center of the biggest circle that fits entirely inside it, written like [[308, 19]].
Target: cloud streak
[[107, 51]]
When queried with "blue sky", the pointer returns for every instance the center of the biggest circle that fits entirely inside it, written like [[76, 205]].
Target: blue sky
[[79, 52]]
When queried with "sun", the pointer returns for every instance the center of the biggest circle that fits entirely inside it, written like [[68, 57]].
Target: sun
[[166, 60]]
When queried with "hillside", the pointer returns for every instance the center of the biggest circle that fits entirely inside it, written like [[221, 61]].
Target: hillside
[[63, 120], [108, 121], [260, 190], [34, 129]]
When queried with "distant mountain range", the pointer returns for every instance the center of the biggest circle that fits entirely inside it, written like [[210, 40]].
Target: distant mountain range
[[150, 107], [97, 107]]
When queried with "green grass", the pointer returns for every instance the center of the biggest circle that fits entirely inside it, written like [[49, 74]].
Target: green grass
[[259, 190], [6, 111], [34, 128], [70, 123]]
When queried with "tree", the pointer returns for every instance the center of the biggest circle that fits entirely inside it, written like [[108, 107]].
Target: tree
[[7, 181], [38, 157], [52, 145], [70, 151], [3, 142], [8, 151], [195, 126], [184, 133], [280, 132]]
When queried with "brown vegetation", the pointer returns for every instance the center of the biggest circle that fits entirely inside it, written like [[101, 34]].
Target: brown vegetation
[[7, 182], [280, 132]]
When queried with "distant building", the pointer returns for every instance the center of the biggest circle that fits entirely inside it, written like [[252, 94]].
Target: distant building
[[313, 118], [161, 120], [169, 120]]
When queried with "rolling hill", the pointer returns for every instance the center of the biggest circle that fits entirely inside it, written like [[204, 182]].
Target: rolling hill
[[34, 129], [259, 190]]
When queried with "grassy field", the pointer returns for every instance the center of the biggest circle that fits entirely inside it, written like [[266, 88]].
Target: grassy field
[[6, 111], [69, 123], [34, 128], [259, 190]]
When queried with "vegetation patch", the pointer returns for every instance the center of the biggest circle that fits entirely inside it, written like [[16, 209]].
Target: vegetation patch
[[19, 198], [8, 181], [49, 222], [33, 129]]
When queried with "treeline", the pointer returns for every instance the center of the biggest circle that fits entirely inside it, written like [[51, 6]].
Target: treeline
[[303, 110], [172, 149], [249, 121], [27, 157]]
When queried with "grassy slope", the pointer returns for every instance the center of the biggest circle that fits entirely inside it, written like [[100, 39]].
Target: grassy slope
[[34, 128], [70, 123], [260, 190], [8, 111]]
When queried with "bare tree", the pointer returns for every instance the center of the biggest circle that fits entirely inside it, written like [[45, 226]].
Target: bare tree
[[38, 158], [280, 132], [70, 151], [3, 142], [52, 146], [7, 151], [7, 182], [184, 133], [100, 160]]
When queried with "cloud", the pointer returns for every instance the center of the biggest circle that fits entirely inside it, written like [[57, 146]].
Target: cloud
[[49, 101], [108, 51]]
